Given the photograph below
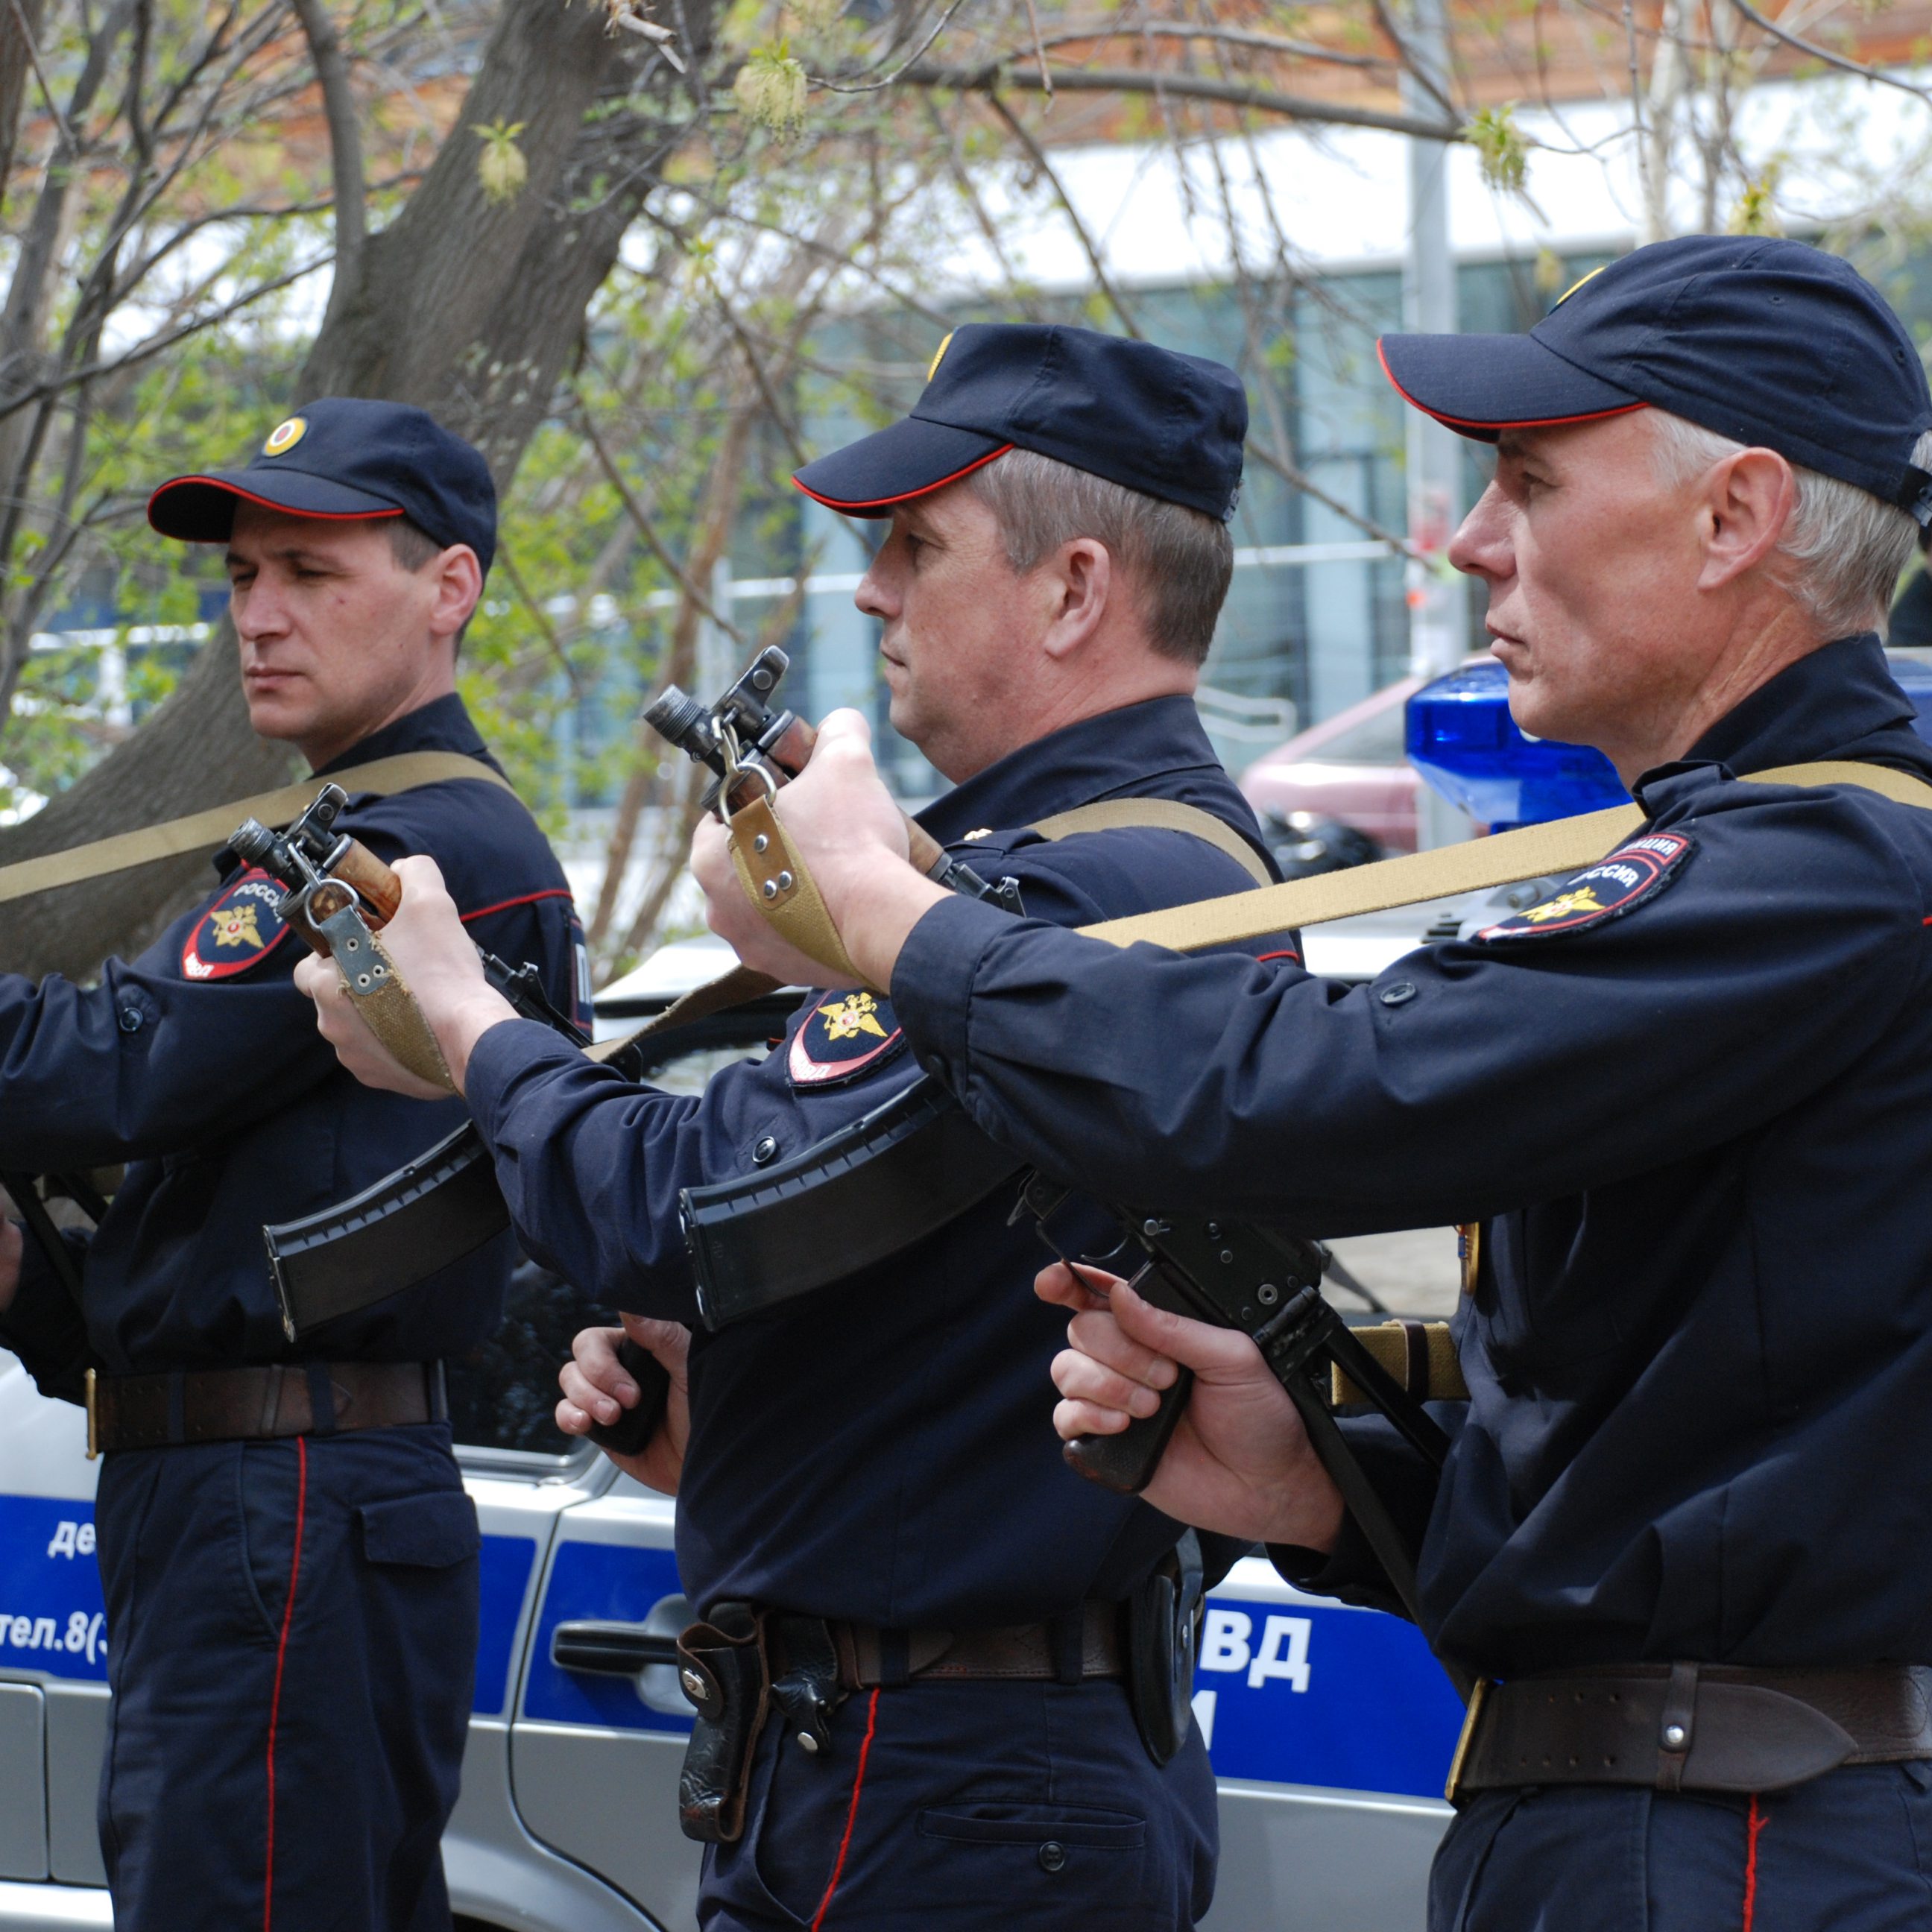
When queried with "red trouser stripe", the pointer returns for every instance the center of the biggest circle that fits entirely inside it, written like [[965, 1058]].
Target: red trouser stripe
[[281, 1654], [852, 1816], [1757, 1823]]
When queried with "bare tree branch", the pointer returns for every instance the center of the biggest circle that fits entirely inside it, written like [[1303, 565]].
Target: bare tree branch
[[1036, 155], [345, 150], [995, 75], [1825, 55], [1077, 32]]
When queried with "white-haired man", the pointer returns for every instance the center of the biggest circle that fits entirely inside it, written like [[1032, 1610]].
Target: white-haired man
[[1685, 1531]]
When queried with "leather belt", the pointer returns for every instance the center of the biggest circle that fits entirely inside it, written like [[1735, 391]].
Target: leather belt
[[260, 1402], [1066, 1650], [1691, 1727]]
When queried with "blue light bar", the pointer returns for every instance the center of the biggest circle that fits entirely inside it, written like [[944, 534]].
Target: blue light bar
[[1460, 737]]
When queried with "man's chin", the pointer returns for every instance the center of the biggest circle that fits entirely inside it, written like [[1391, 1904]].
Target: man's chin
[[272, 715]]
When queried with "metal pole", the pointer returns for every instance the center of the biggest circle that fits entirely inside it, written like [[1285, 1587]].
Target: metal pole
[[1438, 625]]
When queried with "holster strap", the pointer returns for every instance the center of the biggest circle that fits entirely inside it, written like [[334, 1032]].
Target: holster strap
[[1695, 1727], [1015, 1653], [264, 1402]]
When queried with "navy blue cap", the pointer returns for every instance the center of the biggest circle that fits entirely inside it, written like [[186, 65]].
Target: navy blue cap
[[1769, 342], [344, 457], [1171, 426]]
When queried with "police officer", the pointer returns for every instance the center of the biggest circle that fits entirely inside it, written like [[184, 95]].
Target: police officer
[[289, 1560], [1682, 1532], [869, 1467]]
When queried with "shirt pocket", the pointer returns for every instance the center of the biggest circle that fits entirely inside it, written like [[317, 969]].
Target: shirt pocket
[[436, 1531]]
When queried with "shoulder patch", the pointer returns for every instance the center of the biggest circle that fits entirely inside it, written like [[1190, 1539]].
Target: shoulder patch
[[1610, 888], [238, 929], [845, 1035]]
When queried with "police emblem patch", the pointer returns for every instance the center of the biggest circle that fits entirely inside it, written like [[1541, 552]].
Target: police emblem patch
[[846, 1034], [1612, 886], [285, 436], [239, 929]]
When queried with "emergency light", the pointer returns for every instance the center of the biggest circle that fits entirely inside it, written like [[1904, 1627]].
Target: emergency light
[[1460, 737], [1458, 734]]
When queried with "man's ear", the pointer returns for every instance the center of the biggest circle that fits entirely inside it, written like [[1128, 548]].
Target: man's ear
[[1079, 581], [459, 583], [1748, 499]]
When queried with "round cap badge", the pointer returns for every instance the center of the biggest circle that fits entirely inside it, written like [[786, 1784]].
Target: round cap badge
[[285, 436]]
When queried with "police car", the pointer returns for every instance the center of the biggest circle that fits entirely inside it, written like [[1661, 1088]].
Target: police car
[[1330, 1728]]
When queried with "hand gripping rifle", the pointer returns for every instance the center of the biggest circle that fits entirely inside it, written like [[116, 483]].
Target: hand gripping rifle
[[1238, 1274], [445, 1203]]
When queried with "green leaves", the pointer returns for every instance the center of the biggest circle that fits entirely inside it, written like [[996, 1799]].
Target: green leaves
[[1502, 149], [770, 89], [500, 168]]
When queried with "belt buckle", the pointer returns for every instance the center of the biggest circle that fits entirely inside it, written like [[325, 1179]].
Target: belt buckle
[[1478, 1692], [93, 1422]]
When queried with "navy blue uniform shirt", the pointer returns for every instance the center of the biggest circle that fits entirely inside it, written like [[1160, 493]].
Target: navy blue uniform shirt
[[1700, 1128], [198, 1064], [881, 1449]]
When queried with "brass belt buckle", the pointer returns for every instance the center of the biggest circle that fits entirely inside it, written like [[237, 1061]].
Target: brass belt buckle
[[1477, 1692], [93, 1422]]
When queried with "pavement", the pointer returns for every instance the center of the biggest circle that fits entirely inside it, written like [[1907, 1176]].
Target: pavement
[[1415, 1272]]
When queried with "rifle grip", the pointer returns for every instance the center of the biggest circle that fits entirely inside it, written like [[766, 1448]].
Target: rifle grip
[[1126, 1463], [631, 1434]]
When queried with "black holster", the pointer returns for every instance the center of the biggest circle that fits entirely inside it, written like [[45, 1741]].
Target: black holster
[[723, 1669], [806, 1685], [1163, 1621]]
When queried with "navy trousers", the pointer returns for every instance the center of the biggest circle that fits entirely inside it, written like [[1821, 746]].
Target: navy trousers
[[1850, 1852], [970, 1805], [292, 1648]]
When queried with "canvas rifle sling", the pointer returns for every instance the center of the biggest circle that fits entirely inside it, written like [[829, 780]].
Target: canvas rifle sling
[[1565, 845], [208, 831]]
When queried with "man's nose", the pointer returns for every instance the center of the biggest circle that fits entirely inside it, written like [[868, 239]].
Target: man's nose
[[1482, 546], [876, 595], [257, 611]]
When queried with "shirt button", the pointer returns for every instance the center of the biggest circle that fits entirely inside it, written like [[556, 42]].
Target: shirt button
[[1399, 994], [765, 1151], [1052, 1855], [131, 1019]]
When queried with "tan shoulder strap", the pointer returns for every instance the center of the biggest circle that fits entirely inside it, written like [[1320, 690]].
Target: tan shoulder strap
[[1562, 845], [208, 831], [1159, 814]]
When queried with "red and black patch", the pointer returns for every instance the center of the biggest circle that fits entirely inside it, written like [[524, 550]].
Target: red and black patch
[[845, 1035], [238, 930], [1630, 875]]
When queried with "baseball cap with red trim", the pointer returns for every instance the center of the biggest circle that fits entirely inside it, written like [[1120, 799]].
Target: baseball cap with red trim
[[1168, 425], [1771, 343], [344, 456]]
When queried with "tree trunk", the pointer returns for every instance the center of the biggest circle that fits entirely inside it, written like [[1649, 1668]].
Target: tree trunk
[[466, 307], [195, 752], [15, 69]]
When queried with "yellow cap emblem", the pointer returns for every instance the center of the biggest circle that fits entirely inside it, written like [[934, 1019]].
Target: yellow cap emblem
[[285, 436], [1579, 283], [938, 356]]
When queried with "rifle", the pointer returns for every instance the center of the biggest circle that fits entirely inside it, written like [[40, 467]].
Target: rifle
[[747, 746], [1240, 1275], [337, 894]]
